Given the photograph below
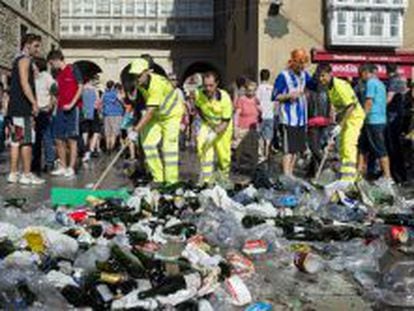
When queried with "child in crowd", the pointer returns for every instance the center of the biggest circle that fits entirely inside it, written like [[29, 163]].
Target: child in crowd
[[247, 119]]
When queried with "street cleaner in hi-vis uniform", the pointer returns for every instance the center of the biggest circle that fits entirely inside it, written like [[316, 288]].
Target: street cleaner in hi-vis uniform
[[161, 122], [350, 115], [215, 136]]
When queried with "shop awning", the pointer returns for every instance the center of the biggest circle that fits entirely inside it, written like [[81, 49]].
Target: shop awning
[[345, 64]]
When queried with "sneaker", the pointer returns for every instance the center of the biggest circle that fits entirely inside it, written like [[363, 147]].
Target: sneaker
[[31, 179], [58, 172], [86, 157], [69, 172], [387, 185], [13, 178], [383, 181]]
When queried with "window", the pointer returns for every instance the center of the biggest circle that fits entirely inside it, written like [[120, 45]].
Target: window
[[76, 28], [25, 4], [129, 7], [64, 7], [88, 29], [247, 15], [234, 38], [395, 24], [64, 29], [129, 29], [117, 7], [98, 29], [377, 23], [341, 24], [117, 29], [151, 8], [140, 7], [103, 7], [167, 8], [152, 28], [358, 23], [77, 7], [88, 7], [107, 29], [141, 28]]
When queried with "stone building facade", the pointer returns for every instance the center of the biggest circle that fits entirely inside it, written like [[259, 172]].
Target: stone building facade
[[21, 16], [183, 36]]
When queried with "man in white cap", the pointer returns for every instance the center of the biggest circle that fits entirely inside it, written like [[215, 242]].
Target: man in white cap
[[161, 122]]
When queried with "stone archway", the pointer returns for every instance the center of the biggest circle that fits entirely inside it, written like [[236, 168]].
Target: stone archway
[[199, 67]]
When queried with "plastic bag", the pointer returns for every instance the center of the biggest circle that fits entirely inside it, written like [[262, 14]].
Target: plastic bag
[[87, 260], [51, 242]]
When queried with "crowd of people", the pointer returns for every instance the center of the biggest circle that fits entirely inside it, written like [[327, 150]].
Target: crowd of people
[[53, 115]]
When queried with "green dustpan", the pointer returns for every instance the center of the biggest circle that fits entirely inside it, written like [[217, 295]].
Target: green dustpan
[[77, 197]]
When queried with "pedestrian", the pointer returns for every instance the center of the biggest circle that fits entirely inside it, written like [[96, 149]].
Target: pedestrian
[[247, 120], [320, 118], [45, 93], [372, 140], [2, 119], [112, 113], [350, 117], [128, 121], [396, 123], [238, 88], [160, 123], [264, 95], [214, 138], [289, 91], [22, 108], [69, 102], [185, 119], [90, 123]]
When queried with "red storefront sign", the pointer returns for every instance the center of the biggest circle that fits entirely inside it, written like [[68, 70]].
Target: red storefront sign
[[351, 70], [347, 64]]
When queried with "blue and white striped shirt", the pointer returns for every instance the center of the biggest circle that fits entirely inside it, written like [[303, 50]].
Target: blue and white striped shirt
[[292, 113]]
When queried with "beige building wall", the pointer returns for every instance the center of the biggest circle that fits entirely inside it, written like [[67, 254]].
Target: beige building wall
[[408, 43], [299, 25], [242, 39], [42, 18]]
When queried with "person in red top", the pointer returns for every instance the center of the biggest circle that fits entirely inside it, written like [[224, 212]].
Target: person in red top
[[247, 119], [69, 101]]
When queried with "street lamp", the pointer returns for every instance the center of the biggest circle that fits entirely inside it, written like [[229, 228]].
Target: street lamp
[[275, 7]]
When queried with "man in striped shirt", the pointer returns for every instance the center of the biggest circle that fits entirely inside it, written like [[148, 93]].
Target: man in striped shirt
[[289, 91]]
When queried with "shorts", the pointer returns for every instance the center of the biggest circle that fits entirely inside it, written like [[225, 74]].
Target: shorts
[[266, 129], [91, 126], [112, 125], [293, 139], [66, 125], [22, 131], [372, 140]]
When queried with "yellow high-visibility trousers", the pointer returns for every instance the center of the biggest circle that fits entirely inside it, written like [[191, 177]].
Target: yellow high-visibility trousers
[[221, 146], [167, 131], [348, 145]]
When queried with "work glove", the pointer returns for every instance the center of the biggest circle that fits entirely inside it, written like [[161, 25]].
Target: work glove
[[133, 136], [335, 131]]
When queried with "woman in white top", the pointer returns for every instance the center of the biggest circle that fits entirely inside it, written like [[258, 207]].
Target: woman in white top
[[45, 95]]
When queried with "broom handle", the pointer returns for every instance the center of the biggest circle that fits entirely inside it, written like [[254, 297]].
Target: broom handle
[[325, 156], [109, 167]]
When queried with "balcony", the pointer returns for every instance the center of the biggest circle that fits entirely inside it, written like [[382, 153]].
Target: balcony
[[368, 4]]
